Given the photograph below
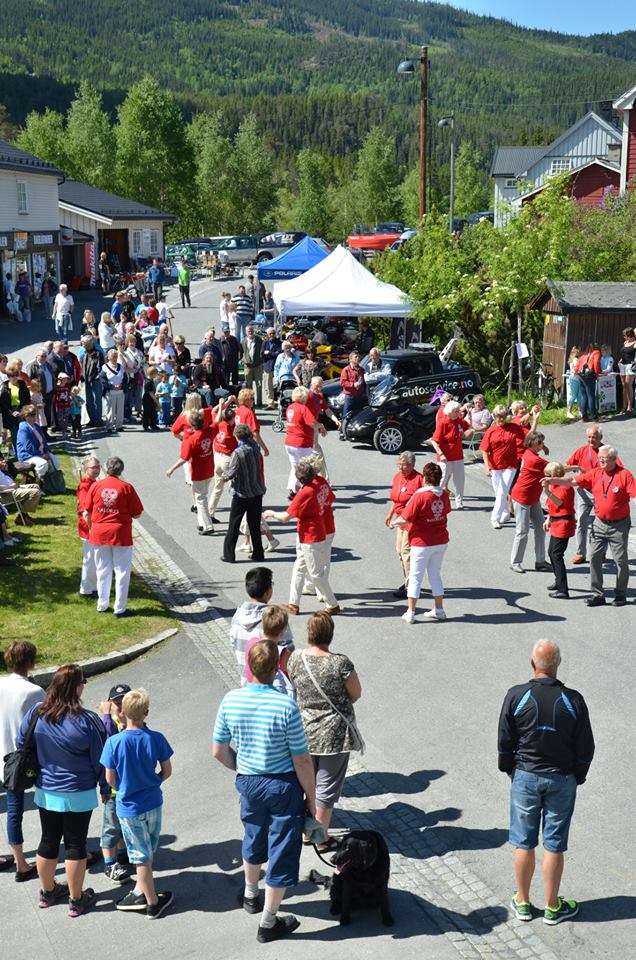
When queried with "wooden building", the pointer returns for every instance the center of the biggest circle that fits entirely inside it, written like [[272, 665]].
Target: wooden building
[[580, 313]]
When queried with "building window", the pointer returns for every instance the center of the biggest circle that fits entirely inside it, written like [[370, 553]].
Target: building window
[[561, 164], [23, 200], [136, 243], [511, 183], [154, 241]]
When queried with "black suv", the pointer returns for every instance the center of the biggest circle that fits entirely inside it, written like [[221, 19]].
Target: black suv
[[399, 413]]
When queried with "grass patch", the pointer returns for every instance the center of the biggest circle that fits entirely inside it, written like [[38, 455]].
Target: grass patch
[[39, 596]]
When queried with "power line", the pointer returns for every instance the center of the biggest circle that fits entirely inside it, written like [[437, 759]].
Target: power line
[[528, 103]]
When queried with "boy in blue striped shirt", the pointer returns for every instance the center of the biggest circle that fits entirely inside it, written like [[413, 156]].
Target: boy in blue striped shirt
[[275, 780]]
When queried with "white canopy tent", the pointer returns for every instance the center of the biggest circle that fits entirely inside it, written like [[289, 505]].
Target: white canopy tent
[[339, 286]]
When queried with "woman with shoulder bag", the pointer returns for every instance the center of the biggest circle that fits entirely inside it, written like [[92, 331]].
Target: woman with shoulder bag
[[327, 686], [68, 741], [588, 369], [17, 697]]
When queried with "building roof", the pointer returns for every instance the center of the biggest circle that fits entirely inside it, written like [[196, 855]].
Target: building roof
[[626, 100], [81, 195], [513, 161], [12, 158], [576, 297], [574, 172]]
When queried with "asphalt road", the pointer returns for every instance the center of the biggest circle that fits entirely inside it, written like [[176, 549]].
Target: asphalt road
[[432, 692]]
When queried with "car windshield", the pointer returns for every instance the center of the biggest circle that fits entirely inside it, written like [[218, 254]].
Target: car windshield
[[381, 390]]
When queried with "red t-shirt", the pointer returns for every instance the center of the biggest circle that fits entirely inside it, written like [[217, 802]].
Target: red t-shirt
[[402, 489], [300, 426], [440, 416], [585, 457], [246, 415], [611, 491], [308, 510], [500, 442], [317, 403], [525, 430], [198, 449], [225, 441], [563, 529], [82, 489], [527, 488], [62, 396], [426, 512], [112, 503], [449, 434], [326, 497], [181, 427]]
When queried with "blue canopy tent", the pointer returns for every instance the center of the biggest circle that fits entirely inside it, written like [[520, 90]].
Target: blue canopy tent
[[293, 262]]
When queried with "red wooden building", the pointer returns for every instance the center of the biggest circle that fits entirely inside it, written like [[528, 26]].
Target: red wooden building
[[625, 105], [589, 184]]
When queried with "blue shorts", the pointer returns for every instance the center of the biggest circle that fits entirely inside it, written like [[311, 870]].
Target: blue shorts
[[141, 835], [545, 799], [111, 827], [273, 814]]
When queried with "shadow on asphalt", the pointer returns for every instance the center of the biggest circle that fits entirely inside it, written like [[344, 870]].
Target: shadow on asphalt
[[606, 909], [377, 783]]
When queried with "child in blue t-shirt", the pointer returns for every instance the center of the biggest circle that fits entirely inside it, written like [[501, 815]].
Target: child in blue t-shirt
[[130, 761], [163, 391], [179, 388]]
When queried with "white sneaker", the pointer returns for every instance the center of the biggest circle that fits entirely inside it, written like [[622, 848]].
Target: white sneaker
[[272, 545], [435, 614], [459, 505], [408, 617], [496, 525], [517, 568], [245, 548]]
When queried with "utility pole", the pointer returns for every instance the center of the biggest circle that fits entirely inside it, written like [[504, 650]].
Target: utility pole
[[423, 126]]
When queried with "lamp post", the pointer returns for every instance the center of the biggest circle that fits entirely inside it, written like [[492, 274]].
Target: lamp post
[[450, 122], [408, 68]]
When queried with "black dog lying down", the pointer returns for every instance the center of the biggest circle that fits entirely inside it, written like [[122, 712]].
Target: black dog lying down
[[361, 877]]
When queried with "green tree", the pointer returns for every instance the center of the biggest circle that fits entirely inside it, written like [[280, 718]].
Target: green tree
[[376, 179], [211, 150], [472, 189], [8, 129], [410, 197], [311, 207], [90, 140], [154, 157], [251, 186], [43, 136]]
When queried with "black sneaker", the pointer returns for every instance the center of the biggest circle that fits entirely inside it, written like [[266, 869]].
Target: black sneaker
[[595, 601], [282, 926], [50, 897], [193, 509], [543, 567], [251, 904], [133, 902], [163, 902], [400, 593], [214, 520], [117, 873], [83, 904], [619, 600]]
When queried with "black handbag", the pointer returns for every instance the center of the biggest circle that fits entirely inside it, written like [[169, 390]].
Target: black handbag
[[21, 767]]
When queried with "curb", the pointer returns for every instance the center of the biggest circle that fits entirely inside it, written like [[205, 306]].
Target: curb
[[107, 661]]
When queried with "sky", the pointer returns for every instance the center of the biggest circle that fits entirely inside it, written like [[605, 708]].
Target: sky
[[566, 16]]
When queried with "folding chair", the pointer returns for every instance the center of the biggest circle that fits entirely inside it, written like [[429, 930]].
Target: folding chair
[[8, 498]]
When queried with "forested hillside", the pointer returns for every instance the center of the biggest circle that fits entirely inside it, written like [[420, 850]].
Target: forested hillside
[[314, 73]]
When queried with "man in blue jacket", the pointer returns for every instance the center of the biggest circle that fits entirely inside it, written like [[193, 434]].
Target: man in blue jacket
[[546, 746], [155, 278]]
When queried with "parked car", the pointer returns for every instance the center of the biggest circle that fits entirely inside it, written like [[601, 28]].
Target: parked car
[[254, 248], [372, 240], [399, 413]]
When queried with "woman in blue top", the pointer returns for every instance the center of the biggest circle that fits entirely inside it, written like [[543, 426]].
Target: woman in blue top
[[285, 363], [69, 742]]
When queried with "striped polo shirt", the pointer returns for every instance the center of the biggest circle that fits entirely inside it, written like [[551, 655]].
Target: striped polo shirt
[[264, 726]]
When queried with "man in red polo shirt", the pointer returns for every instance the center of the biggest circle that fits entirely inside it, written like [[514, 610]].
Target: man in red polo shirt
[[197, 450], [110, 506], [354, 388], [448, 442], [612, 487]]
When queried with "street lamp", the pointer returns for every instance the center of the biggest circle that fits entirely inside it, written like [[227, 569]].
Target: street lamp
[[450, 122], [409, 68]]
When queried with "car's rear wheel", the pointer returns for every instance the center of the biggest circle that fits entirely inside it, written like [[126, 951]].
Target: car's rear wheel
[[263, 256], [389, 438]]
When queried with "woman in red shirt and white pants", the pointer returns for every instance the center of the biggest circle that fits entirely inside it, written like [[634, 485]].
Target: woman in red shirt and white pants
[[448, 441], [499, 446], [90, 472], [405, 482], [426, 515], [299, 436], [197, 450], [111, 505]]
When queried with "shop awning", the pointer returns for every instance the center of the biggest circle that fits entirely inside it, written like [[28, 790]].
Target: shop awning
[[69, 236]]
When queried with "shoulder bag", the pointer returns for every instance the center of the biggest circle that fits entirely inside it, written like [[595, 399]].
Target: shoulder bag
[[21, 766], [359, 744]]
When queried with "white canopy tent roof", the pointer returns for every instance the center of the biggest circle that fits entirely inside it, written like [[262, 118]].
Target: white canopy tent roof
[[339, 286]]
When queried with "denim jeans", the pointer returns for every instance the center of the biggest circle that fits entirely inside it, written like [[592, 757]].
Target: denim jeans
[[350, 406], [94, 402], [15, 811], [587, 396], [541, 799]]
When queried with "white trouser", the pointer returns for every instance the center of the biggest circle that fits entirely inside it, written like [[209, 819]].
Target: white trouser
[[221, 461], [295, 454], [268, 386], [41, 465], [88, 581], [453, 470], [426, 560], [201, 496], [115, 409], [501, 481], [319, 453], [109, 560], [326, 544], [310, 565], [187, 471]]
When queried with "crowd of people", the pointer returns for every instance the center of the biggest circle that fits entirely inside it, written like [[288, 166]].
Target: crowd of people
[[289, 729]]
